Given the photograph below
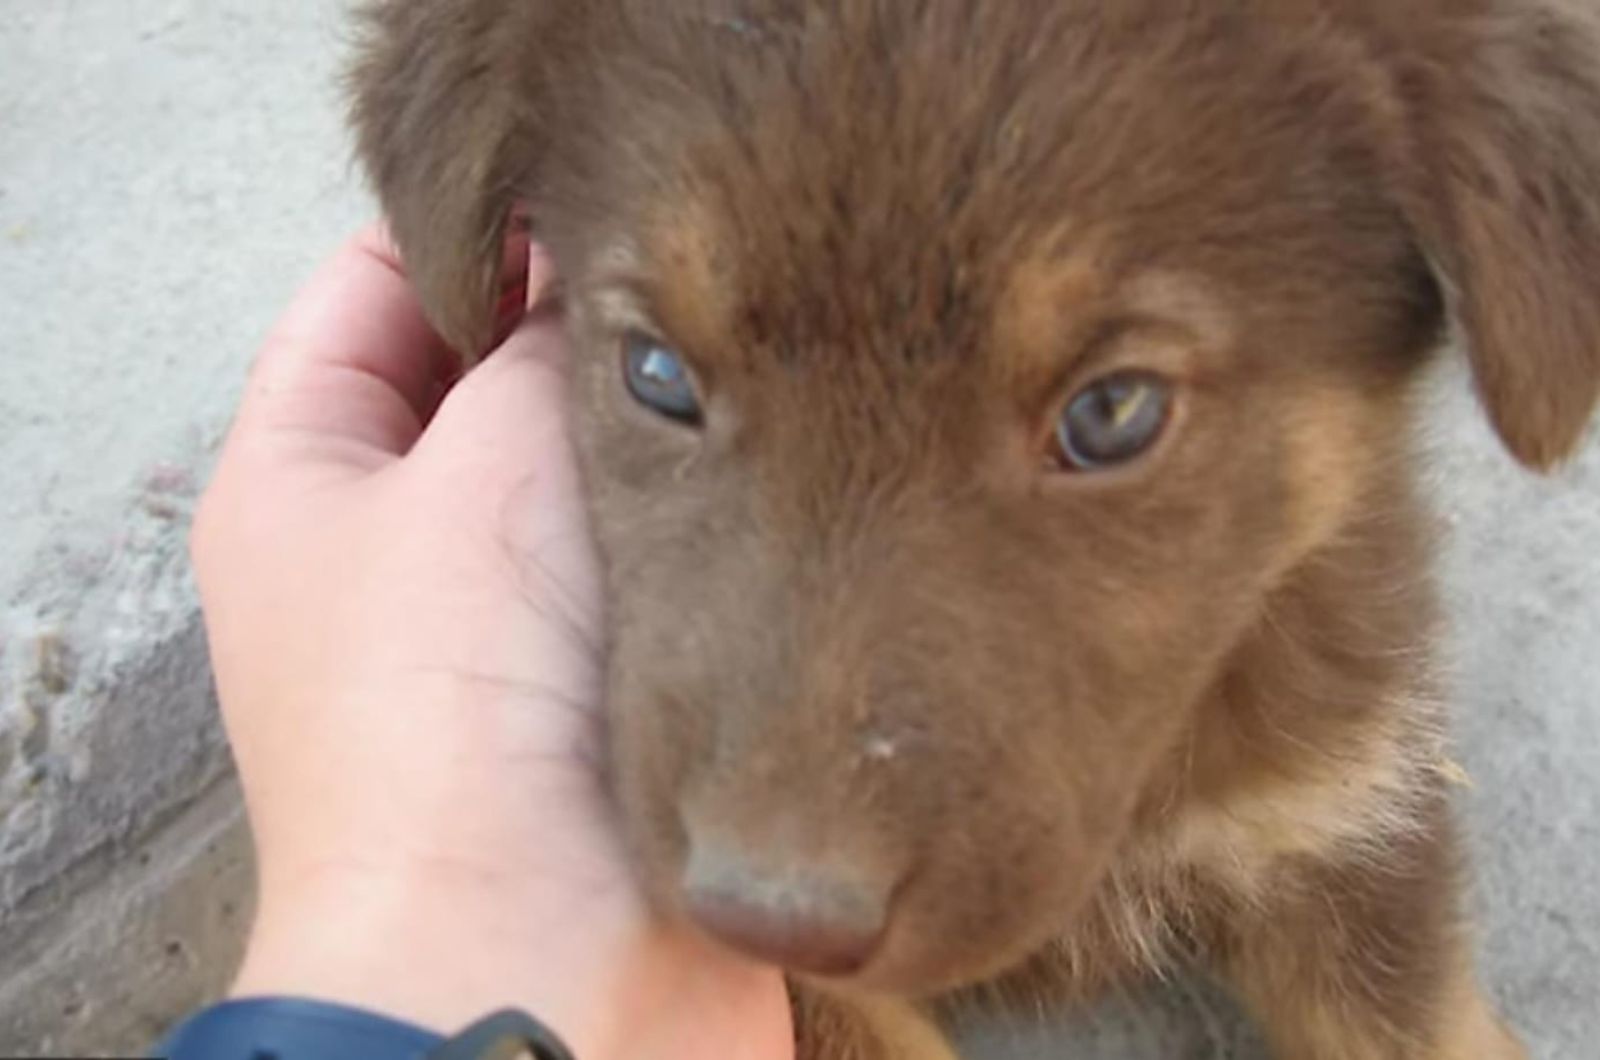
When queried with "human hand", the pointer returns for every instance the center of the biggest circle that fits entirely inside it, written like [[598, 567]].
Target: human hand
[[402, 604]]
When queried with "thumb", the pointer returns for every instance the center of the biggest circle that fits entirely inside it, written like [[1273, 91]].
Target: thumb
[[499, 454], [508, 419]]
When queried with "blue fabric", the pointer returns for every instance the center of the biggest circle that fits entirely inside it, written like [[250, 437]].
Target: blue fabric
[[295, 1029]]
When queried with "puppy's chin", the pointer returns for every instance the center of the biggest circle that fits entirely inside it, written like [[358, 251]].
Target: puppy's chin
[[949, 950], [919, 968]]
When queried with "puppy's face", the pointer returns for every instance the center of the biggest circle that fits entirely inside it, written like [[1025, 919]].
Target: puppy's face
[[955, 393]]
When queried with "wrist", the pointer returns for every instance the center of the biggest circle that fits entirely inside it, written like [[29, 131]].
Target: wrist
[[437, 952]]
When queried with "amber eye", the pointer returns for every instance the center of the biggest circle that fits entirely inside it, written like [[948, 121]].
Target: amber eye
[[1113, 421], [658, 379]]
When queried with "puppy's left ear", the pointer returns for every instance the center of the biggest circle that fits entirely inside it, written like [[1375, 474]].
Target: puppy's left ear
[[444, 100], [1502, 105]]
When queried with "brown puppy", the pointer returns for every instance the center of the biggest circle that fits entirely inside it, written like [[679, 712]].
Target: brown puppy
[[996, 419]]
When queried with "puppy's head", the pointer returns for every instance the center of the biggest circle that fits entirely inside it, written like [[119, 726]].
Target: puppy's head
[[957, 381]]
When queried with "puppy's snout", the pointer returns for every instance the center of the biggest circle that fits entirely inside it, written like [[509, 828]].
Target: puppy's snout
[[821, 920]]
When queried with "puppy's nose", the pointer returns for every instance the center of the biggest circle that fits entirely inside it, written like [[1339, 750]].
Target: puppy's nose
[[821, 921]]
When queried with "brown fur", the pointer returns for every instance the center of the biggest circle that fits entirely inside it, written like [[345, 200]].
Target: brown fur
[[1086, 723]]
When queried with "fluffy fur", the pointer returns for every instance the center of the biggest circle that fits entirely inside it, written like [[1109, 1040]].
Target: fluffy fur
[[1076, 724]]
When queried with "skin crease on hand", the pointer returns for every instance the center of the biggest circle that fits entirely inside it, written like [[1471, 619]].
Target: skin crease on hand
[[402, 605]]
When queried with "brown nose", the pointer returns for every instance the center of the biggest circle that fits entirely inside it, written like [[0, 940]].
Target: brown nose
[[809, 919]]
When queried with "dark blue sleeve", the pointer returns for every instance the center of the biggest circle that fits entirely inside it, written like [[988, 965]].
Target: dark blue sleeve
[[295, 1029]]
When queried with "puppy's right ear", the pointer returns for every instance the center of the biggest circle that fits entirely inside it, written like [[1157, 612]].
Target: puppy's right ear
[[441, 119], [1503, 100]]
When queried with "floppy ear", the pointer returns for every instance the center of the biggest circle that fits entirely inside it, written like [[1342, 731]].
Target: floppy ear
[[1502, 101], [442, 118]]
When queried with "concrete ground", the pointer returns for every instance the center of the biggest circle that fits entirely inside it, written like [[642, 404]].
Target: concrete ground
[[169, 169]]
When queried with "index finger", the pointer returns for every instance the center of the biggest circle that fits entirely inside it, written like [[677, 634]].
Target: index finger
[[353, 358]]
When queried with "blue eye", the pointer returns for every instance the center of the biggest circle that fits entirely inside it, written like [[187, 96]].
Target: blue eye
[[1113, 421], [658, 380]]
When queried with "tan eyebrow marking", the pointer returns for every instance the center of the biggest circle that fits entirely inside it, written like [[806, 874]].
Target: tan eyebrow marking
[[690, 286], [1059, 307], [1047, 306]]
